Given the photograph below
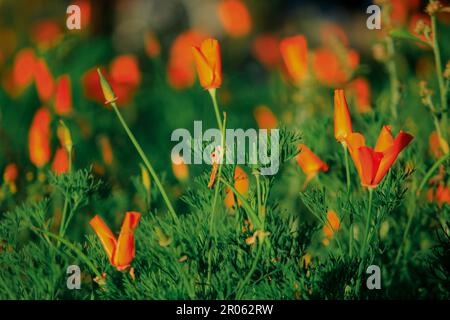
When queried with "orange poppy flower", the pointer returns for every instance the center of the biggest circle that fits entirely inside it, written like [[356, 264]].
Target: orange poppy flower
[[442, 195], [330, 33], [106, 150], [39, 138], [241, 184], [120, 252], [208, 63], [180, 169], [373, 164], [46, 33], [438, 145], [310, 163], [60, 161], [44, 80], [91, 85], [332, 70], [342, 120], [265, 117], [235, 18], [11, 173], [360, 90], [294, 51], [152, 46], [125, 77], [23, 68], [63, 96], [265, 48], [181, 69], [333, 224]]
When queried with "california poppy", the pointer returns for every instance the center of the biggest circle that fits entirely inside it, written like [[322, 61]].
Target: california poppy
[[342, 120], [208, 63], [63, 96], [331, 69], [265, 117], [265, 48], [120, 251], [235, 17], [152, 46], [438, 145], [39, 138], [180, 169], [46, 33], [441, 195], [23, 68], [60, 161], [181, 69], [359, 88], [241, 184], [332, 224], [125, 77], [10, 173], [294, 51], [373, 164], [44, 80], [310, 163]]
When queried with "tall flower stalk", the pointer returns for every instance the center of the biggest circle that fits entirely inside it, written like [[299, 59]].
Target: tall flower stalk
[[110, 99]]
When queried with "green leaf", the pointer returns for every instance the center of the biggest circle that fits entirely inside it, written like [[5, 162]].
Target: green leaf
[[405, 34]]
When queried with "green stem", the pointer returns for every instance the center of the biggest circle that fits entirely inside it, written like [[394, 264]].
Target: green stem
[[347, 169], [212, 92], [430, 172], [363, 252], [393, 77], [73, 248], [250, 273], [147, 163], [439, 74]]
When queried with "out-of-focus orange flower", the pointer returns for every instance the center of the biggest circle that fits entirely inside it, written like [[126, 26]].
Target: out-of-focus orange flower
[[265, 118], [331, 69], [441, 195], [120, 252], [342, 120], [106, 150], [241, 184], [400, 9], [181, 69], [294, 51], [438, 145], [235, 17], [60, 161], [265, 48], [310, 163], [91, 85], [152, 46], [208, 63], [331, 33], [63, 96], [23, 68], [180, 169], [44, 80], [11, 173], [332, 225], [125, 77], [125, 70], [360, 90], [373, 164], [39, 138], [46, 33]]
